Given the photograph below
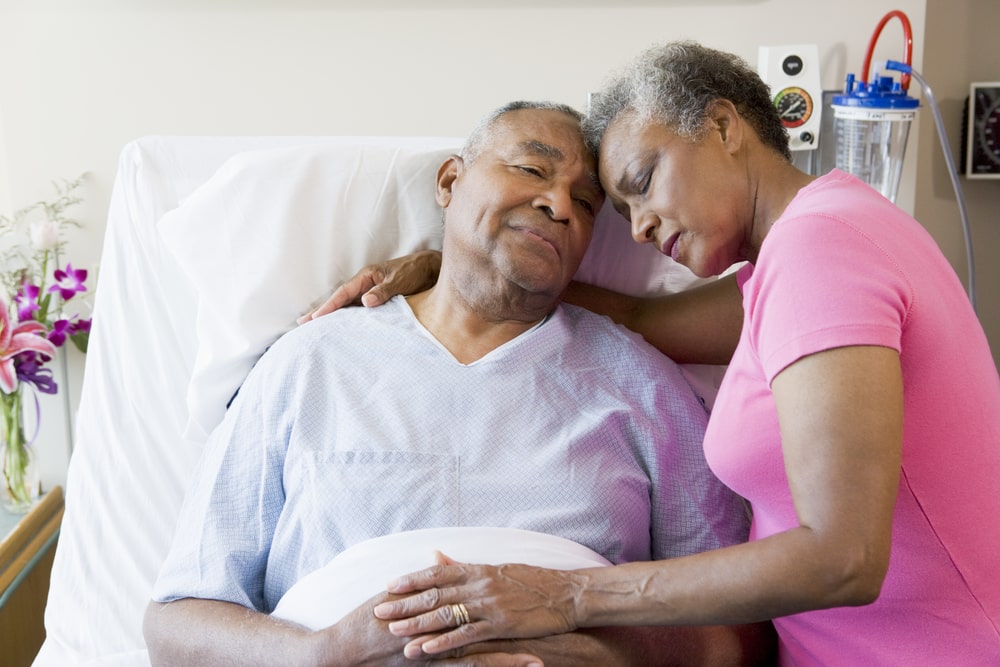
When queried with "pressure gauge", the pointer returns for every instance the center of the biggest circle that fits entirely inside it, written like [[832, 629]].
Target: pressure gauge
[[983, 149], [794, 105], [792, 74]]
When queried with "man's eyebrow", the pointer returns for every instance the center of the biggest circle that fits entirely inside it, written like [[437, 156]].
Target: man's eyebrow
[[541, 148]]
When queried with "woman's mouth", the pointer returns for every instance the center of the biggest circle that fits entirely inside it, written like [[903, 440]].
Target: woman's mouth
[[670, 247]]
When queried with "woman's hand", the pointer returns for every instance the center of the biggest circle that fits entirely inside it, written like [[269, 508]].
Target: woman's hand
[[377, 283], [505, 601]]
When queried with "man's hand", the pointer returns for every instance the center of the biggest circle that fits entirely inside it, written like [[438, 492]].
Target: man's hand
[[195, 631], [377, 283]]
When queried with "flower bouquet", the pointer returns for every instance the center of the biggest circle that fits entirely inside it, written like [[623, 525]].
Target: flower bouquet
[[34, 322]]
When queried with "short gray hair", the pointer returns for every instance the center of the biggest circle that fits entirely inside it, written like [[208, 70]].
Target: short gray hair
[[676, 84], [482, 133]]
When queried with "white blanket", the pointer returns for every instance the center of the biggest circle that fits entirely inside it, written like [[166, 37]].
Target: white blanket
[[322, 598]]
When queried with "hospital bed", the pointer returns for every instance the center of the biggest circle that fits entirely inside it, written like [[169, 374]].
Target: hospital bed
[[214, 246]]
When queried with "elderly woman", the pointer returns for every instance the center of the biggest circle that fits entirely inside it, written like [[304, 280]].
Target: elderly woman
[[859, 415]]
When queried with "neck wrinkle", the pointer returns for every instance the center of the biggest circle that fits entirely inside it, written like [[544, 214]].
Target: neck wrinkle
[[470, 330]]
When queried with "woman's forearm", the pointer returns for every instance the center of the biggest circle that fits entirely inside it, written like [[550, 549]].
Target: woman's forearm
[[700, 326], [787, 573]]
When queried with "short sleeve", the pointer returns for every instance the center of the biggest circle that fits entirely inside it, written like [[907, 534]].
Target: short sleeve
[[821, 283], [226, 525]]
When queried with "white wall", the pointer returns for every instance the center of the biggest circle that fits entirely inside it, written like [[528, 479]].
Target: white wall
[[961, 36], [80, 79]]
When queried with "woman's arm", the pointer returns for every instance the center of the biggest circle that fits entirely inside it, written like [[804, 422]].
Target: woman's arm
[[701, 325], [377, 283], [840, 413]]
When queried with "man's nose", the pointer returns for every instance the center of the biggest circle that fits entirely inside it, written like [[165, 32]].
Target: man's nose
[[556, 202]]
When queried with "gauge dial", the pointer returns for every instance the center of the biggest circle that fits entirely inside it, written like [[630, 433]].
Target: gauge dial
[[982, 148], [794, 106], [989, 131]]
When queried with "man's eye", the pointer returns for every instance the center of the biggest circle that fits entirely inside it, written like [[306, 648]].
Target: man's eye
[[530, 170], [587, 206]]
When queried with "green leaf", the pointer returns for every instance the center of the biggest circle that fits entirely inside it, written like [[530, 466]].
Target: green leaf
[[81, 340]]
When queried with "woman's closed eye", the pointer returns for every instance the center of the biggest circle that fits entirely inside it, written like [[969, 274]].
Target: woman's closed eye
[[641, 186]]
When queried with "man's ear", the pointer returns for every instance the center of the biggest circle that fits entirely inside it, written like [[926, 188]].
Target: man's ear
[[727, 122], [448, 173]]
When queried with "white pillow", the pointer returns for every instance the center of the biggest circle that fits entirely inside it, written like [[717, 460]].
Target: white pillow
[[274, 231], [323, 597]]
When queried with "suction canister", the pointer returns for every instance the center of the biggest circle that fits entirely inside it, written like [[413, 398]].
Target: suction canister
[[871, 125]]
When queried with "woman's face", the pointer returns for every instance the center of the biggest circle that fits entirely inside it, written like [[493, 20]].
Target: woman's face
[[686, 197]]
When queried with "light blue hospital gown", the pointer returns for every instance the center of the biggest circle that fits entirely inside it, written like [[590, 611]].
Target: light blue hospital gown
[[360, 424]]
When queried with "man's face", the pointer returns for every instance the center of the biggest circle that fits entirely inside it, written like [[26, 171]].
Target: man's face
[[521, 214]]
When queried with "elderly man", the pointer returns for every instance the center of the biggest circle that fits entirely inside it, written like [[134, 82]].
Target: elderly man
[[479, 402]]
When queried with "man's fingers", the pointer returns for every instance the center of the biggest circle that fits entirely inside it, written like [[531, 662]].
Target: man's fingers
[[493, 660]]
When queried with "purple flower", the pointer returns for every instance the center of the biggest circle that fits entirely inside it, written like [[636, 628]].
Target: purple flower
[[29, 368], [81, 326], [69, 282], [14, 341], [27, 302], [60, 329]]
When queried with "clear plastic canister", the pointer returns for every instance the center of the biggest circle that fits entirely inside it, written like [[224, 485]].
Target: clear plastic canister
[[871, 144], [871, 126]]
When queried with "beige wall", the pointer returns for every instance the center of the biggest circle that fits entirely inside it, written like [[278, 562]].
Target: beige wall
[[960, 47], [80, 78]]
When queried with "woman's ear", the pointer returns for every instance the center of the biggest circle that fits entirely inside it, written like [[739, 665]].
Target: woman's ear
[[727, 122], [447, 174]]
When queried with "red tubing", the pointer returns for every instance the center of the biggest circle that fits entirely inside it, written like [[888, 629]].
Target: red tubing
[[904, 80]]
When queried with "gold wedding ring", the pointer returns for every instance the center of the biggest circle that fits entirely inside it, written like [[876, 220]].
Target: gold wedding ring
[[460, 614]]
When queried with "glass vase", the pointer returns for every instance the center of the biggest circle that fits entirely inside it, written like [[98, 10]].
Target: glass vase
[[20, 474]]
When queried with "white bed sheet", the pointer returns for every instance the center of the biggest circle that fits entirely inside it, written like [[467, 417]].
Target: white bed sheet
[[132, 462]]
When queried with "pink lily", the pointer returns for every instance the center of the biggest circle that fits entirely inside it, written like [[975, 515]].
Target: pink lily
[[16, 340]]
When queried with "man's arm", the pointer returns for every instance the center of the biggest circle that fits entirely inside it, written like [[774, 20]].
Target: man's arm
[[674, 646], [210, 632]]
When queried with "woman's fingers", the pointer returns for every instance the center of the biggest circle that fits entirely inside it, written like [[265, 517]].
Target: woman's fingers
[[446, 617], [436, 576], [377, 283], [449, 607], [355, 290]]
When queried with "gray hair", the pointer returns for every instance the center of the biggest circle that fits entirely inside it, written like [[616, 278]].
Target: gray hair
[[482, 133], [676, 84]]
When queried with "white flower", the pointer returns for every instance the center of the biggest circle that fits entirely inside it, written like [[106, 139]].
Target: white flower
[[44, 234]]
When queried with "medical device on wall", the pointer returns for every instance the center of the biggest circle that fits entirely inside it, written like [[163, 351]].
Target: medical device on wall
[[982, 131], [872, 123], [792, 73]]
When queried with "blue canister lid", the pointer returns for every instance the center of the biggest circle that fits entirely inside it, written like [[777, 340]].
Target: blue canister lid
[[882, 93]]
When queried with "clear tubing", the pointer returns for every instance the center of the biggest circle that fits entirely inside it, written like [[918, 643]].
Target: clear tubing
[[952, 172]]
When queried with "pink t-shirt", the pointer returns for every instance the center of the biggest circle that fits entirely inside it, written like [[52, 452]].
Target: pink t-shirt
[[843, 266]]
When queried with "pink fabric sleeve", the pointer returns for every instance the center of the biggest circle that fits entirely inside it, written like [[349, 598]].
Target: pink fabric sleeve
[[843, 291]]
